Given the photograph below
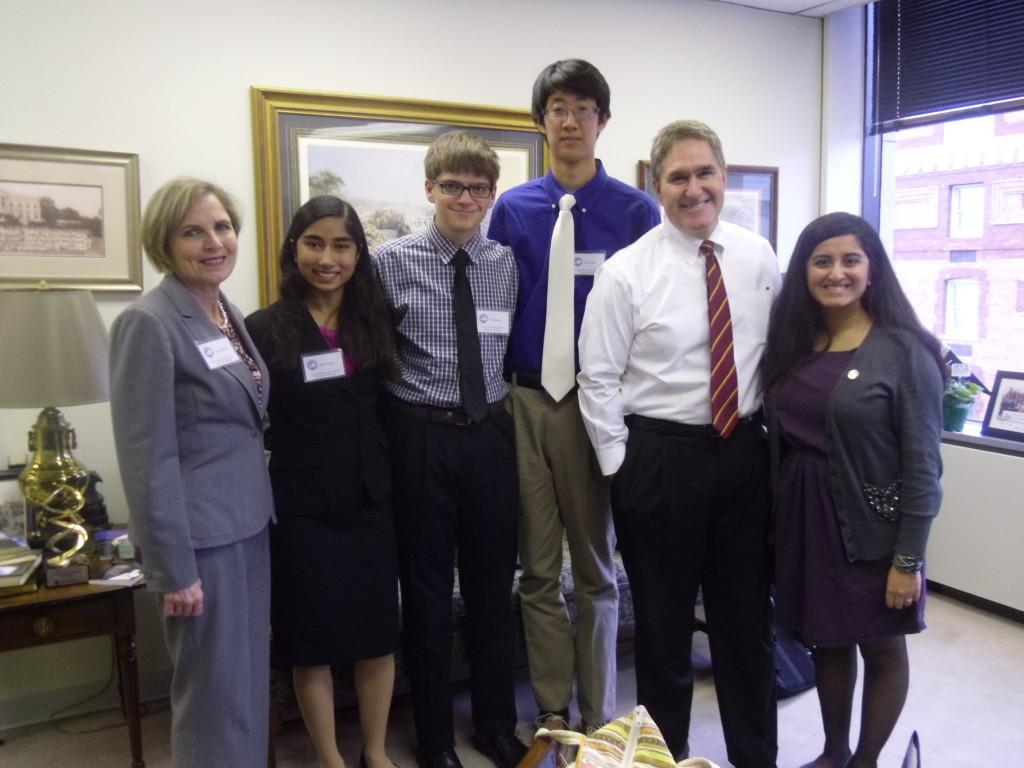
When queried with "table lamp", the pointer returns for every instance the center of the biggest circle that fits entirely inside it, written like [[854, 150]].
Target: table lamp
[[53, 352]]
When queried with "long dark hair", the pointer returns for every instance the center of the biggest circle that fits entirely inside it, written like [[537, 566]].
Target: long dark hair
[[797, 319], [364, 324]]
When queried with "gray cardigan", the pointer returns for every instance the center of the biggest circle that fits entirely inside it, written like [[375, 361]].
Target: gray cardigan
[[883, 427]]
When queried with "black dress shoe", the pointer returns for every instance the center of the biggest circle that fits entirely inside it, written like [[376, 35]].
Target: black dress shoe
[[439, 758], [503, 748]]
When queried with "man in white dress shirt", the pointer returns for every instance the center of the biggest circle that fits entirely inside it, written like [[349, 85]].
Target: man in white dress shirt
[[691, 500]]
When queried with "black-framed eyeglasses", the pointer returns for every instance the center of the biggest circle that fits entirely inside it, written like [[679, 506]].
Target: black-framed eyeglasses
[[456, 188], [582, 112]]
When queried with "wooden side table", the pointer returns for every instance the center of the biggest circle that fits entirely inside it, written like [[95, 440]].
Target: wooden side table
[[58, 614]]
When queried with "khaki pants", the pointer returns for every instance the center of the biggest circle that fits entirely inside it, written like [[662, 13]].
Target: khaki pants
[[562, 490]]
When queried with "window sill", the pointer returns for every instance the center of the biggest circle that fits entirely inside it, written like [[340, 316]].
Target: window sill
[[973, 439]]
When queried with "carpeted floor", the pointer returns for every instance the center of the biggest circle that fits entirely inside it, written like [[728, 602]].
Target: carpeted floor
[[966, 701]]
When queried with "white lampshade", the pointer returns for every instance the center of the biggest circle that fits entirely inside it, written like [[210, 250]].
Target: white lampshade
[[53, 349]]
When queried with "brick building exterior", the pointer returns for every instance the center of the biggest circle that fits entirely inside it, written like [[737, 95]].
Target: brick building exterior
[[957, 228]]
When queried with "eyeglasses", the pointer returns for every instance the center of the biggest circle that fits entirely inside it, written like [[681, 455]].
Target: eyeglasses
[[456, 188], [582, 112]]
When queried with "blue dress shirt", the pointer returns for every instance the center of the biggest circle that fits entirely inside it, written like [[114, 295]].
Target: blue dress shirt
[[608, 216]]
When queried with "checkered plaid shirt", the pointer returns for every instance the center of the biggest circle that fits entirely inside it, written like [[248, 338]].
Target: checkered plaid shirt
[[416, 273]]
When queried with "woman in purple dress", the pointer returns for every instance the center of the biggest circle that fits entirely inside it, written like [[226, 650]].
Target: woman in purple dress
[[854, 397]]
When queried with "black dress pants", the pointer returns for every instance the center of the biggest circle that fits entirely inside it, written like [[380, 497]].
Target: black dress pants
[[691, 511], [456, 489]]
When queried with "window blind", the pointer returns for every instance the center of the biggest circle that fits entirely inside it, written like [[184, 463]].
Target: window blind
[[934, 60]]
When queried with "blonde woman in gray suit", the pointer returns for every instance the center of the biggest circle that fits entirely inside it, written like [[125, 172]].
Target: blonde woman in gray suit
[[189, 398]]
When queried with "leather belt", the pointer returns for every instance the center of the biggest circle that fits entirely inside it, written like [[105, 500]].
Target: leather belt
[[688, 430], [455, 417], [528, 380]]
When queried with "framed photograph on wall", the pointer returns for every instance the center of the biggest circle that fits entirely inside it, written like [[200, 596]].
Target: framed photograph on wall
[[69, 218], [751, 197], [12, 505], [369, 151], [1005, 414]]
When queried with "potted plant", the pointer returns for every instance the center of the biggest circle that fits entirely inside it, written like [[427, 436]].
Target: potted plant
[[957, 402]]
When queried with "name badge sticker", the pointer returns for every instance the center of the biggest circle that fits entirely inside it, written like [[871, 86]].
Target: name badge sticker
[[492, 321], [585, 263], [217, 353], [323, 365]]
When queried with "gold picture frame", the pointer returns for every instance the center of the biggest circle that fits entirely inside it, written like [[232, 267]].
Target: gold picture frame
[[357, 140], [69, 218]]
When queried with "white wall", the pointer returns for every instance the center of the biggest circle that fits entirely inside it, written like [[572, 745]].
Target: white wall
[[842, 150], [170, 81], [976, 539]]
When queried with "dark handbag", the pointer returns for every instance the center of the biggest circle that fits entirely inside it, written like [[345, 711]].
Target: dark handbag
[[794, 667]]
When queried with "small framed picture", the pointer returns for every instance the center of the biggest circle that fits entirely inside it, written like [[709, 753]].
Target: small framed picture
[[69, 218], [12, 505], [751, 196], [1005, 415]]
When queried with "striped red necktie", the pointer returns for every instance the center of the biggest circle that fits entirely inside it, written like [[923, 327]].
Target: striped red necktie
[[724, 387]]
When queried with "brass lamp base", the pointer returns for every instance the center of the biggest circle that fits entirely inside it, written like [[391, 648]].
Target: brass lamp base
[[54, 484]]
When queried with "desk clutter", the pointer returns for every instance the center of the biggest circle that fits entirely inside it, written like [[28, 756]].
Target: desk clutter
[[110, 562], [18, 565]]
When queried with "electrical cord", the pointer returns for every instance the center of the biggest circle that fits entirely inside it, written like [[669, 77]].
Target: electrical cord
[[144, 710]]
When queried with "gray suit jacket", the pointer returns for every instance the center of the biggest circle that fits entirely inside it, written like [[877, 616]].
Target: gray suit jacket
[[189, 439]]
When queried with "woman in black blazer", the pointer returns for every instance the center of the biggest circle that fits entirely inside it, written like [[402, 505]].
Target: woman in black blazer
[[328, 344]]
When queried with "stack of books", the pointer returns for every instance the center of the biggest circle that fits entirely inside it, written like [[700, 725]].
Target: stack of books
[[18, 565]]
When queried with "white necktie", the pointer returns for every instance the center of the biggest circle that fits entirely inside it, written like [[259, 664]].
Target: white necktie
[[558, 365]]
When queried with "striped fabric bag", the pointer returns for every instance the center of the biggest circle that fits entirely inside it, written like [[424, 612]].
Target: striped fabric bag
[[632, 741]]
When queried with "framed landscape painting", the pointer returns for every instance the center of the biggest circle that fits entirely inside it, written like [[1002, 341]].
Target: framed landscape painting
[[69, 218], [369, 151]]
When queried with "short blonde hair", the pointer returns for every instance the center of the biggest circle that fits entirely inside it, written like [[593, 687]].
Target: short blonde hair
[[461, 152], [169, 206], [677, 131]]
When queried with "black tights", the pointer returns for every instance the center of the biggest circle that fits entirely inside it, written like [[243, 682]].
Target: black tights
[[886, 679]]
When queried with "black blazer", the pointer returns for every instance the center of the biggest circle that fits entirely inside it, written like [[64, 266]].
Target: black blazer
[[328, 452]]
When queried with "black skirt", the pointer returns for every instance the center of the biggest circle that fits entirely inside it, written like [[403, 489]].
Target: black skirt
[[334, 589]]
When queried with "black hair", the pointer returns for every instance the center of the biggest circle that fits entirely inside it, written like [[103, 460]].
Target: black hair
[[797, 319], [364, 323], [576, 76]]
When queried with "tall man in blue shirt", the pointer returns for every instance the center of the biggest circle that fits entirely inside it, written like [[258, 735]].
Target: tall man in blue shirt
[[561, 486], [452, 292]]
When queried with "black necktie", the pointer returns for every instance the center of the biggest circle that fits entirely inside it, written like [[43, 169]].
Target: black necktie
[[471, 370]]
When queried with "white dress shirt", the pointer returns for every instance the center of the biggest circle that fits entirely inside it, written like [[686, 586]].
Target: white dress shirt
[[644, 345]]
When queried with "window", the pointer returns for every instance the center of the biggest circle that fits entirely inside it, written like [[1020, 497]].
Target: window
[[963, 351], [967, 210], [965, 296], [944, 163], [962, 304]]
